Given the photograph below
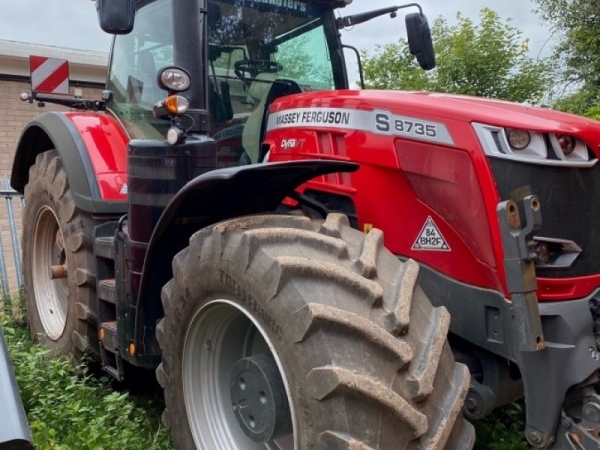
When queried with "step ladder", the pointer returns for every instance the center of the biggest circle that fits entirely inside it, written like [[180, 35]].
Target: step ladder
[[105, 251]]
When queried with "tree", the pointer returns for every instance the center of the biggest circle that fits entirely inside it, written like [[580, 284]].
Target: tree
[[304, 59], [577, 25], [586, 97], [487, 60]]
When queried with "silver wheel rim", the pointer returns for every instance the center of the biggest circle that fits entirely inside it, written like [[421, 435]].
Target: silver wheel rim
[[51, 296], [219, 335]]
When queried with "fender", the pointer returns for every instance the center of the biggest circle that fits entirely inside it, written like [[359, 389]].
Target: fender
[[14, 431], [210, 198], [93, 150]]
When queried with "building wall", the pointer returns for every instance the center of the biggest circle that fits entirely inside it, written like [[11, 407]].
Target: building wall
[[89, 69], [15, 114]]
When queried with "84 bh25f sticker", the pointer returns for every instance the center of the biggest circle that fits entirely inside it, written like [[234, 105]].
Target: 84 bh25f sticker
[[430, 238]]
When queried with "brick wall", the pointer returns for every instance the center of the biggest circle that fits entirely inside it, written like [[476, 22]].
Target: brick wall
[[14, 116]]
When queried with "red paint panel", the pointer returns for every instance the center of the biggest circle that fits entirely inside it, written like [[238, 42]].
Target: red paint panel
[[385, 197], [106, 144], [557, 289], [445, 179]]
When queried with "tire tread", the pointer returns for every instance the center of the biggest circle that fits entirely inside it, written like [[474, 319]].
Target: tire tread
[[374, 313]]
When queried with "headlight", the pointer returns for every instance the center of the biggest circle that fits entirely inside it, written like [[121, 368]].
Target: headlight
[[567, 144], [174, 79], [519, 139], [534, 147]]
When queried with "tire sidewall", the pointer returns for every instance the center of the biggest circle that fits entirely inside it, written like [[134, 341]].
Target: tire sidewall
[[225, 283]]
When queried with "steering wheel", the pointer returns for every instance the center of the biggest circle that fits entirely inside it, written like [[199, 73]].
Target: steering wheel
[[254, 67]]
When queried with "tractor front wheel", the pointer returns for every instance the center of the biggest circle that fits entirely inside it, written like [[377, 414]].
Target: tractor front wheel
[[286, 333]]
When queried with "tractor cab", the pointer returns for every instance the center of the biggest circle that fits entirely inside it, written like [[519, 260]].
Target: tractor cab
[[255, 53], [233, 58]]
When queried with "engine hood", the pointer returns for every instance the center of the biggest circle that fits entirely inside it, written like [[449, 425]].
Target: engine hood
[[446, 106]]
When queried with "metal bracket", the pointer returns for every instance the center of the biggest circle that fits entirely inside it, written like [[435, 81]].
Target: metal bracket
[[75, 103], [583, 434], [519, 257]]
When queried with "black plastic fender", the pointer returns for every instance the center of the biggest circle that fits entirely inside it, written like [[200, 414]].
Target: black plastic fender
[[210, 198], [14, 430], [54, 130]]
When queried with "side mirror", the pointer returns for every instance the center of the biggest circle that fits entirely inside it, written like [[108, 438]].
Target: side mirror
[[116, 16], [419, 40]]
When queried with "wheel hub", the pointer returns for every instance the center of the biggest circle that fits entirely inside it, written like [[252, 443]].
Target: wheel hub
[[259, 399], [50, 289]]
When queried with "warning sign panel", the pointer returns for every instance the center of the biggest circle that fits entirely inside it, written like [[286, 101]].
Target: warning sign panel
[[430, 238], [49, 75]]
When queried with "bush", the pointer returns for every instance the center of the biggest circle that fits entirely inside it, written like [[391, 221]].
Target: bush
[[69, 410]]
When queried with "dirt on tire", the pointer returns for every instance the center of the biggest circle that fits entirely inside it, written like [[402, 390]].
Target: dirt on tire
[[48, 190], [365, 354]]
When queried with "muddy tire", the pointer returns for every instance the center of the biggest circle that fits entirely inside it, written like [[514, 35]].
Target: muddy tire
[[286, 333], [56, 233]]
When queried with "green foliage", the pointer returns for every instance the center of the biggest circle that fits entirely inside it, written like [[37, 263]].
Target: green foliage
[[76, 411], [489, 59], [593, 112], [583, 103], [577, 25], [578, 103], [503, 430]]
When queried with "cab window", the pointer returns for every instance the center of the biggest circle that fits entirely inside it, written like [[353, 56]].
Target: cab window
[[136, 59]]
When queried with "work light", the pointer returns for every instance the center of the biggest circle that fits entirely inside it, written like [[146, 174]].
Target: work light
[[174, 79]]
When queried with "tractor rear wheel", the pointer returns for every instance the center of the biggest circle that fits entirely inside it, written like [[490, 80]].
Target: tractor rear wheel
[[56, 234], [282, 332]]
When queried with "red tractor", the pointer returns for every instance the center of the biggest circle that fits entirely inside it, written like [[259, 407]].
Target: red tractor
[[218, 215]]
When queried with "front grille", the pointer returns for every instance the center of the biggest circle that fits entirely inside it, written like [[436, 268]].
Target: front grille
[[570, 209]]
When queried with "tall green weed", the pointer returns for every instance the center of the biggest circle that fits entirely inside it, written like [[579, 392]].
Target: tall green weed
[[69, 410]]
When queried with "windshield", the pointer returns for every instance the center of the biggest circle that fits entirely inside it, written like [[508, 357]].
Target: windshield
[[292, 36], [251, 45]]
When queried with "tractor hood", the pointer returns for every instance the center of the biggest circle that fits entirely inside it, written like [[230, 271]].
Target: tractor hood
[[452, 107]]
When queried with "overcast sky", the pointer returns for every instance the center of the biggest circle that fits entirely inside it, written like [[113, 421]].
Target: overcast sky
[[73, 23], [384, 30]]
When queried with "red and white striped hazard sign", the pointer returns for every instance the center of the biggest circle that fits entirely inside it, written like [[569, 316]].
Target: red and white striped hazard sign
[[49, 75]]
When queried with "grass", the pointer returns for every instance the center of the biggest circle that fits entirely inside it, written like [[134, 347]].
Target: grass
[[69, 410], [503, 430]]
